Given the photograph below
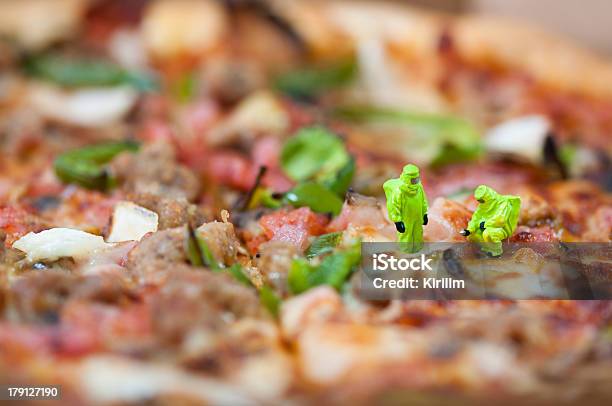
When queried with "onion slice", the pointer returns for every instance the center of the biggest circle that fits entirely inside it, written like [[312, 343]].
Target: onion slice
[[132, 222], [523, 137], [87, 107], [58, 243]]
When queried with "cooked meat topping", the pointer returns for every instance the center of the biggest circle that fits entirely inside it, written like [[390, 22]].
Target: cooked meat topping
[[38, 296], [221, 239], [199, 298], [173, 212], [158, 251], [230, 81], [535, 209], [155, 170], [274, 261]]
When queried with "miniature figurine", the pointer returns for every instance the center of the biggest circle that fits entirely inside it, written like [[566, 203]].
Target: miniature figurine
[[494, 220], [407, 207]]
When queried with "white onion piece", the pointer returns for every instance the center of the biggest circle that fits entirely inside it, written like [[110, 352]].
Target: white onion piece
[[89, 107], [523, 137], [132, 222], [58, 243]]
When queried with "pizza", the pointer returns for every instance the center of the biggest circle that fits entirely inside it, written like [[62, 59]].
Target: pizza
[[185, 185]]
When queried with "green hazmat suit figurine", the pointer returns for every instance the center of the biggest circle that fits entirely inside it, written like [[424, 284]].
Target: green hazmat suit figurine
[[494, 220], [407, 207]]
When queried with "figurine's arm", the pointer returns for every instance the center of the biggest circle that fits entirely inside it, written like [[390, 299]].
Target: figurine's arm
[[394, 207], [474, 222], [425, 208]]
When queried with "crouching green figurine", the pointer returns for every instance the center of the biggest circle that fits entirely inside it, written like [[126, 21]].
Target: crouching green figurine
[[407, 207], [494, 220]]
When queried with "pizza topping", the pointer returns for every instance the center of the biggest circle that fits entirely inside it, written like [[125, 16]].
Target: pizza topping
[[313, 153], [341, 183], [258, 195], [39, 296], [229, 79], [260, 113], [333, 270], [535, 210], [108, 262], [323, 244], [171, 212], [319, 159], [580, 160], [85, 166], [459, 177], [542, 233], [197, 251], [270, 300], [293, 226], [221, 239], [84, 209], [87, 107], [315, 196], [446, 219], [420, 137], [193, 299], [158, 252], [274, 262], [70, 72], [599, 225], [309, 82], [155, 170], [200, 254], [232, 169], [56, 243], [523, 137], [16, 222], [131, 222], [317, 306], [363, 217], [572, 199]]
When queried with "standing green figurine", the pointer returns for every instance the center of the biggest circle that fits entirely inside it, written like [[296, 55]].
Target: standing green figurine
[[407, 207], [494, 220]]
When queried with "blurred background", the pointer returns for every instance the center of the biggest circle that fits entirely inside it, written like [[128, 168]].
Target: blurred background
[[585, 21]]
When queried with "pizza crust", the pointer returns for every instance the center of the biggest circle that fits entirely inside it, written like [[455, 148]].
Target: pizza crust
[[35, 24], [333, 27], [551, 60]]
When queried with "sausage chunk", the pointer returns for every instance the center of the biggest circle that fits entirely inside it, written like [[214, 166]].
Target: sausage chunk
[[155, 170]]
